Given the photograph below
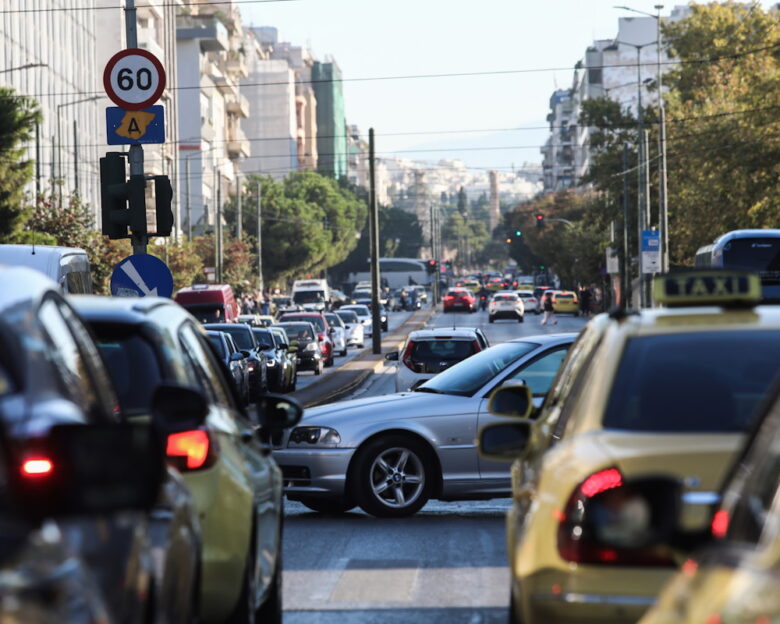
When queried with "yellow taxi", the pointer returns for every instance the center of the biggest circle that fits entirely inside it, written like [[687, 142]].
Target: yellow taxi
[[565, 302], [665, 392], [471, 284], [735, 580]]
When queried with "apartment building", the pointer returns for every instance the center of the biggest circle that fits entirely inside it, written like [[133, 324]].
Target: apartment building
[[331, 120]]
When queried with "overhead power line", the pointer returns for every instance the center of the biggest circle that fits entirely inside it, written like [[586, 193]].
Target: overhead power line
[[138, 6]]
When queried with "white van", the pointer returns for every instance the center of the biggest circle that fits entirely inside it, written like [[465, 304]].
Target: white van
[[68, 266], [312, 294]]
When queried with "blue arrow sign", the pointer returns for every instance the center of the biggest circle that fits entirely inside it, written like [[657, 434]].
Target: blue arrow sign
[[141, 275], [125, 127]]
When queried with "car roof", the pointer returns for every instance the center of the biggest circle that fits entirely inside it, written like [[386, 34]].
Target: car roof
[[23, 284], [128, 310], [442, 332], [303, 314]]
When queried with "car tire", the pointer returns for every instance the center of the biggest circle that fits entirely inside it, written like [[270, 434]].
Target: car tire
[[271, 609], [330, 361], [490, 319], [327, 505], [412, 476], [293, 383], [242, 614], [521, 319], [361, 346], [318, 368]]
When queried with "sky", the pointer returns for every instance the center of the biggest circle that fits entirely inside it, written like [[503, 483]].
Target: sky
[[384, 39]]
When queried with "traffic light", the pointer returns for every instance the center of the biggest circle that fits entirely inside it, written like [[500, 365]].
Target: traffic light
[[508, 240], [163, 196], [539, 220], [113, 196], [518, 233], [431, 265]]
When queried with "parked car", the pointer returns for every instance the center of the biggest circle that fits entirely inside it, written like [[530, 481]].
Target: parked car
[[234, 360], [280, 374], [322, 326], [339, 335], [255, 359], [355, 333], [349, 453], [209, 303], [506, 304], [52, 382], [427, 352], [363, 313], [290, 354], [303, 338], [235, 482], [459, 299]]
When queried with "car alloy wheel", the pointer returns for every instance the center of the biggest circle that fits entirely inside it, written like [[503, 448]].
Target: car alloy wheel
[[394, 477]]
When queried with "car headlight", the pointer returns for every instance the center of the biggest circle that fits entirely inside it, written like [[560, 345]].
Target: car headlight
[[271, 363], [312, 346], [314, 437]]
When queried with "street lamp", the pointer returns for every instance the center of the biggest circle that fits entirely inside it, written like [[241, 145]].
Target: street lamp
[[663, 204], [75, 144]]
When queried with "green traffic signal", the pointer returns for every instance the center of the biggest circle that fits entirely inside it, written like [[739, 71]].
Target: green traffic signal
[[518, 233]]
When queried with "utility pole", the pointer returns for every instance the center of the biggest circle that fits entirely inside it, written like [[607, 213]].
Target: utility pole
[[626, 302], [646, 282], [373, 226], [135, 155], [663, 206], [75, 157], [187, 194], [37, 161], [640, 175], [218, 228], [239, 224], [261, 283]]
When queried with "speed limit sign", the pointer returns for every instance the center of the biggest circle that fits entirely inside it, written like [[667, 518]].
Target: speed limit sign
[[134, 79]]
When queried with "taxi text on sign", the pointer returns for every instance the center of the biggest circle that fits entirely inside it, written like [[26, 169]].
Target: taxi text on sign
[[125, 127], [699, 288]]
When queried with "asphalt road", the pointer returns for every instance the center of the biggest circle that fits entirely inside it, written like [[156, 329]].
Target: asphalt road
[[446, 564]]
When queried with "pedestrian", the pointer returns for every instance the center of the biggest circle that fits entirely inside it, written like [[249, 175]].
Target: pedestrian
[[549, 311], [413, 297], [585, 297]]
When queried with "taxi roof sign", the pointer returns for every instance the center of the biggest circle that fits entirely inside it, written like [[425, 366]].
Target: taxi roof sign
[[707, 287]]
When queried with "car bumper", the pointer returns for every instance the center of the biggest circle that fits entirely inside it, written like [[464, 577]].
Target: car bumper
[[569, 309], [459, 306], [308, 360], [513, 314], [320, 472]]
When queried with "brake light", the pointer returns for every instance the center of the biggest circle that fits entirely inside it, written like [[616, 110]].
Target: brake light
[[406, 358], [720, 524], [190, 450], [36, 467], [475, 346], [576, 541]]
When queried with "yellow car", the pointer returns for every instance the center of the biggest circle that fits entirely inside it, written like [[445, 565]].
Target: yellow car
[[471, 284], [662, 392], [735, 580], [565, 302]]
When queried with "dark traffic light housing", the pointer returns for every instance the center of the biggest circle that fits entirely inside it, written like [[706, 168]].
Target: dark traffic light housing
[[539, 220], [124, 201], [430, 266]]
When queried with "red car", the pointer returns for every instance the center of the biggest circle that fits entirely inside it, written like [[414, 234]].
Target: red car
[[323, 331], [460, 299]]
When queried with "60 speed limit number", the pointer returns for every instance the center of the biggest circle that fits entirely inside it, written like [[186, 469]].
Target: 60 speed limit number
[[134, 79]]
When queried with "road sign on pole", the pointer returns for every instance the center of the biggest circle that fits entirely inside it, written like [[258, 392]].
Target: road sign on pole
[[141, 275], [651, 251], [134, 79], [125, 127]]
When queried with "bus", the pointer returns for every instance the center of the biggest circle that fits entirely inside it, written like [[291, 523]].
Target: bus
[[751, 250], [397, 273]]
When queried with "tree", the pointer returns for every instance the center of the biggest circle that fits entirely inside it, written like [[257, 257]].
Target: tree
[[18, 116]]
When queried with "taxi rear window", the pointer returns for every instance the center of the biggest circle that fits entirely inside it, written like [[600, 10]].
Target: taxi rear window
[[707, 382]]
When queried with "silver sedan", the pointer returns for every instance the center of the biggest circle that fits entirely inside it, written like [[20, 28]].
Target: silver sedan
[[391, 454]]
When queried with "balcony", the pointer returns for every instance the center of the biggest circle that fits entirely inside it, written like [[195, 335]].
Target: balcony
[[238, 106], [237, 67], [238, 148], [209, 30], [226, 85]]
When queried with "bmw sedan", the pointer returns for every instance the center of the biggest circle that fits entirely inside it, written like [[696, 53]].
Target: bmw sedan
[[391, 454]]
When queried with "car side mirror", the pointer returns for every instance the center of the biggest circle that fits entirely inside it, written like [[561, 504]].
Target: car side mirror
[[512, 400], [237, 356], [245, 353], [87, 470], [276, 412], [392, 356], [178, 408], [505, 441]]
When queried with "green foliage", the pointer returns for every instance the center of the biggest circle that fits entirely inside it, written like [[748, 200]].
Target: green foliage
[[18, 116]]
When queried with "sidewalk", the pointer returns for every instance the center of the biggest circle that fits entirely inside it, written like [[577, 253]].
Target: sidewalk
[[347, 378]]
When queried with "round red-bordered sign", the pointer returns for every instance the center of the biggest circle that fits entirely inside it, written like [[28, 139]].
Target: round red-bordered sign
[[134, 79]]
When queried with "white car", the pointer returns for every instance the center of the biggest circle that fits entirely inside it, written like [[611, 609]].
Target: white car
[[355, 333], [530, 302], [506, 304], [339, 334], [427, 352], [364, 314]]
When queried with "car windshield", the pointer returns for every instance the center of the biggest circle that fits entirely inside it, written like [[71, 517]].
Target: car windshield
[[708, 382], [317, 321], [468, 376], [309, 296], [242, 335], [348, 316], [434, 356], [264, 338], [334, 320], [133, 366], [360, 310], [206, 312], [505, 298], [298, 331]]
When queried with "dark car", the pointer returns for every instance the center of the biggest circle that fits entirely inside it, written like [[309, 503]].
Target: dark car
[[303, 336], [234, 360], [224, 461], [382, 312], [290, 354], [279, 372], [255, 359], [323, 331], [54, 386]]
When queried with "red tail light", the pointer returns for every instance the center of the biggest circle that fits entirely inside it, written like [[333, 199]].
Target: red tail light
[[476, 346], [576, 542], [37, 467], [406, 358], [720, 524], [191, 450]]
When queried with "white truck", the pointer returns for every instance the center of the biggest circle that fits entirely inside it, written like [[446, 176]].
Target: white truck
[[312, 294]]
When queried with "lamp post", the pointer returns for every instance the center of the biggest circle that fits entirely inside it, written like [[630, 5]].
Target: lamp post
[[663, 203], [59, 142]]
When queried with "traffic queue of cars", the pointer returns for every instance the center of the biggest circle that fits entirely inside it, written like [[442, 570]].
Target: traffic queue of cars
[[652, 466], [137, 485]]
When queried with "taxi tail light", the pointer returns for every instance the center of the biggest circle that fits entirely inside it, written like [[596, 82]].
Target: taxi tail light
[[406, 358], [191, 450], [576, 533], [37, 467]]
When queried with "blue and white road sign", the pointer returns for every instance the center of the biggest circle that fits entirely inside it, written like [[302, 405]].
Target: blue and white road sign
[[141, 275], [651, 251], [126, 127]]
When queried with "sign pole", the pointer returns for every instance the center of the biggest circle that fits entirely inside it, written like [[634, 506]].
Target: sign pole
[[260, 281], [373, 227], [136, 153]]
